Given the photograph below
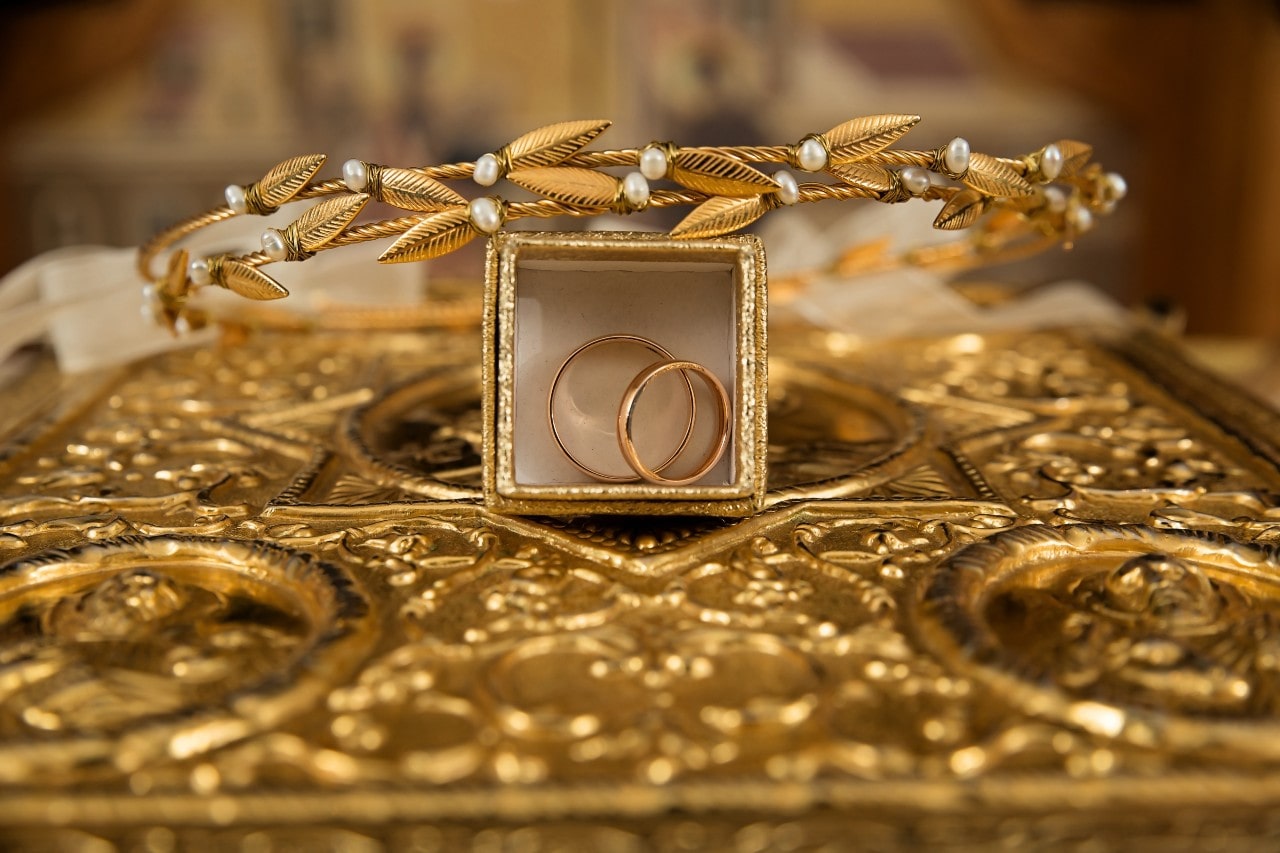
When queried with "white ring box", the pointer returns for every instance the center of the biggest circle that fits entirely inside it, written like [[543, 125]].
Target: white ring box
[[548, 293]]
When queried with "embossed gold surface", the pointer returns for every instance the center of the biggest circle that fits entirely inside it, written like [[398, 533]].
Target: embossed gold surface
[[1017, 589]]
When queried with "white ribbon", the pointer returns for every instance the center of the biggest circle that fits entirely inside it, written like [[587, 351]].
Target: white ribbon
[[87, 300]]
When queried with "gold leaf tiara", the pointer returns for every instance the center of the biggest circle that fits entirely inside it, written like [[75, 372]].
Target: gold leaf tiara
[[1011, 206]]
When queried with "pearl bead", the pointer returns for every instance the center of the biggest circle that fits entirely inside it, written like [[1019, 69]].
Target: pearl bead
[[635, 189], [198, 272], [273, 244], [486, 171], [789, 190], [1055, 199], [182, 326], [355, 174], [653, 163], [486, 214], [1051, 162], [149, 310], [812, 155], [956, 156], [915, 180], [1115, 187], [1079, 218], [235, 199]]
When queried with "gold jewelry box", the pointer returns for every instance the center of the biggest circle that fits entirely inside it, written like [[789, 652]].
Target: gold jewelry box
[[551, 299]]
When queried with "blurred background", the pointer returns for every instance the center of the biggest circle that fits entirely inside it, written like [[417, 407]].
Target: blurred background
[[121, 116]]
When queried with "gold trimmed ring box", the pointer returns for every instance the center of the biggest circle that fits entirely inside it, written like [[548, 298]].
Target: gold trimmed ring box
[[624, 373]]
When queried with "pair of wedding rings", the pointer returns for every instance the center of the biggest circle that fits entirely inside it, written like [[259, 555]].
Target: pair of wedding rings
[[625, 424]]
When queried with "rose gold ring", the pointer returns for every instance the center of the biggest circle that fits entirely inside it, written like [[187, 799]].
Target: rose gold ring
[[653, 347], [627, 409]]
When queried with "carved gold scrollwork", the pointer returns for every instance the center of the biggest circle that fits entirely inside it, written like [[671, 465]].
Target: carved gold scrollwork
[[122, 653], [1020, 560], [1161, 639]]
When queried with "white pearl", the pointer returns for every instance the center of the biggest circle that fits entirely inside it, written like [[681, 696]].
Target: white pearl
[[653, 163], [915, 179], [149, 292], [486, 171], [1055, 199], [486, 215], [182, 326], [273, 244], [355, 174], [635, 189], [812, 156], [149, 310], [234, 194], [1116, 186], [1051, 162], [956, 156], [198, 272], [789, 190], [1079, 218]]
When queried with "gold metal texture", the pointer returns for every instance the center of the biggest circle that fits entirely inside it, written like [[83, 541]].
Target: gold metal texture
[[1030, 207], [1014, 591], [738, 260]]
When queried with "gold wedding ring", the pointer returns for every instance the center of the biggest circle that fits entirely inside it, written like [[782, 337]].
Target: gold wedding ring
[[653, 347], [627, 409]]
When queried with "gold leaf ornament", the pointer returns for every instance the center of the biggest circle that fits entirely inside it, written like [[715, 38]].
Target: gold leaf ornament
[[285, 179], [1075, 156], [722, 215], [552, 144], [324, 221], [568, 184], [249, 282], [437, 234], [961, 211], [411, 189], [714, 173], [176, 282], [860, 137], [994, 177], [865, 176]]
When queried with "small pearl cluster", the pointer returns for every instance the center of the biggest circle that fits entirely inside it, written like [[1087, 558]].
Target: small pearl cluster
[[654, 164], [487, 170], [915, 180], [811, 154], [236, 199], [788, 189], [355, 174], [274, 245], [1051, 162], [1079, 217], [635, 189], [1112, 190], [198, 272], [486, 214], [151, 307], [956, 156]]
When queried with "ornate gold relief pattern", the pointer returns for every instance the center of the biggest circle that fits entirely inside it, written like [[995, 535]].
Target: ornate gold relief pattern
[[251, 597]]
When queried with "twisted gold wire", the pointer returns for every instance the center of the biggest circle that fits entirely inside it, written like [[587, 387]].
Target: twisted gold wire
[[1006, 183]]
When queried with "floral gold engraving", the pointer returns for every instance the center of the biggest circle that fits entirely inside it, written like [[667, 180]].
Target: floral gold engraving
[[251, 595]]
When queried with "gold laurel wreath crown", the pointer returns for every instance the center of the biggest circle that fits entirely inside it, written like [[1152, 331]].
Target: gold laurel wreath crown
[[1012, 205]]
